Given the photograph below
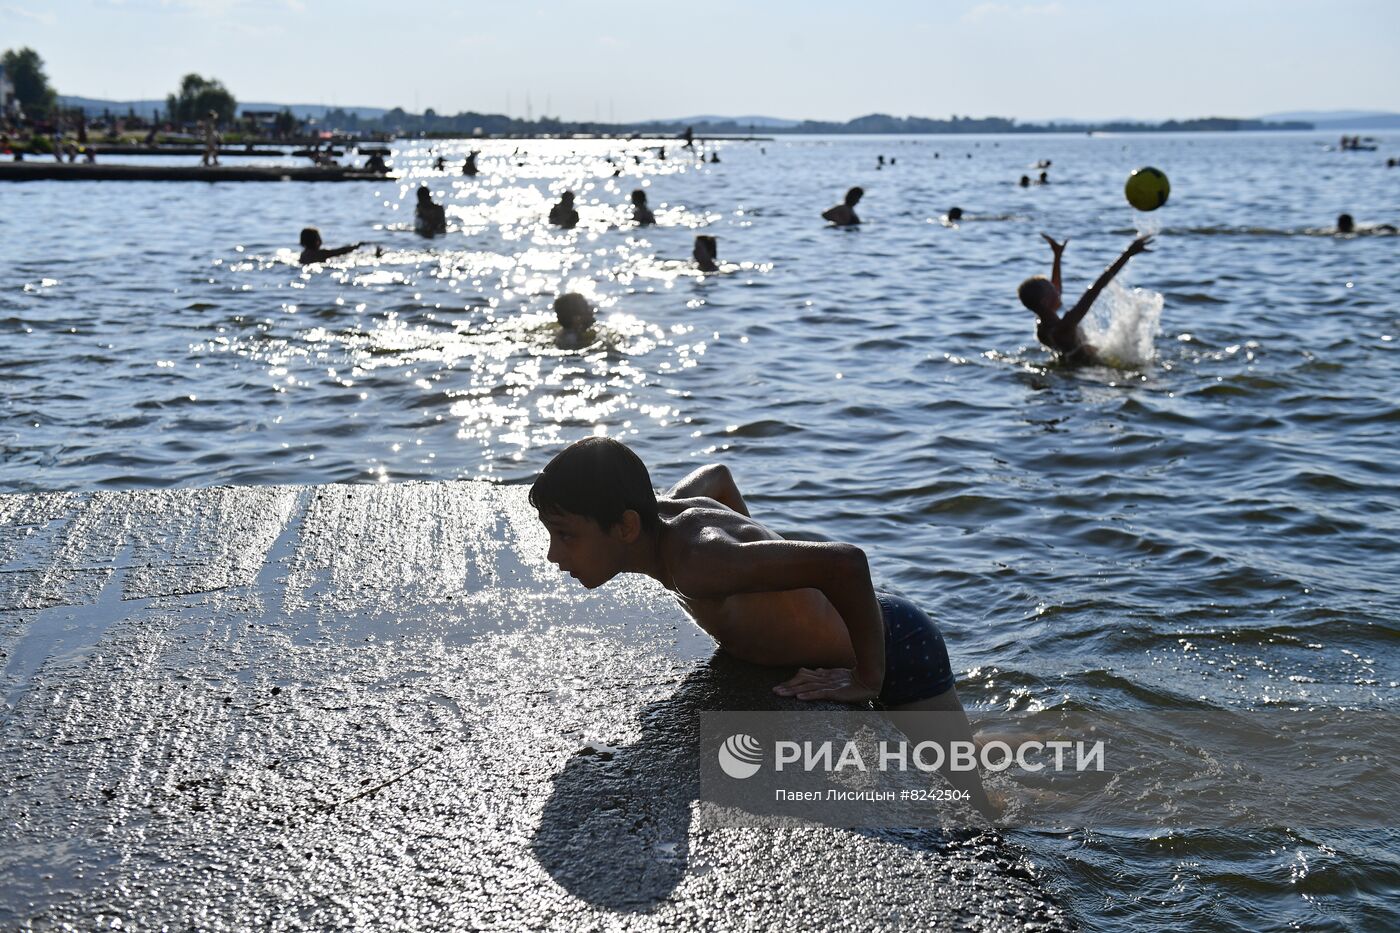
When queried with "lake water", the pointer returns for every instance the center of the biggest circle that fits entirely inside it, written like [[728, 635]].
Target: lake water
[[1211, 524]]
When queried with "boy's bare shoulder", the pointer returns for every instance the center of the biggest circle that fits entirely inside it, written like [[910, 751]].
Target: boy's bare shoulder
[[701, 522]]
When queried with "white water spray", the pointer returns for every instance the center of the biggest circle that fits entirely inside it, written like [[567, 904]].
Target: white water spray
[[1123, 326]]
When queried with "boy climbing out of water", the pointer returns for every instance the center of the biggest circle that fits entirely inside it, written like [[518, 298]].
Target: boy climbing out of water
[[765, 599], [1042, 296]]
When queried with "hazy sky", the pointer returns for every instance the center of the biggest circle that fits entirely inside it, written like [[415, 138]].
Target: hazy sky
[[825, 59]]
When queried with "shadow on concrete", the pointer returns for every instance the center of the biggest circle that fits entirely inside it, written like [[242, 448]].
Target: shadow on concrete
[[615, 831]]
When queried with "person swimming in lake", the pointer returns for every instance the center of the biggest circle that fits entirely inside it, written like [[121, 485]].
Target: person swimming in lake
[[312, 250], [641, 213], [575, 316], [469, 167], [429, 217], [766, 600], [563, 213], [844, 214], [955, 214], [1042, 295], [705, 252], [375, 163], [1025, 181], [1347, 224]]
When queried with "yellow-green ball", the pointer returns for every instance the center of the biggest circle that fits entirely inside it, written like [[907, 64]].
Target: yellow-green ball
[[1147, 189]]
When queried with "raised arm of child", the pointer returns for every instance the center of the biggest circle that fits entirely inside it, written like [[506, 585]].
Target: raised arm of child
[[1058, 249], [342, 250], [1076, 314]]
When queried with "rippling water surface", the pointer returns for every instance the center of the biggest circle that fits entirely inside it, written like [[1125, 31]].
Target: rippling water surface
[[1211, 524]]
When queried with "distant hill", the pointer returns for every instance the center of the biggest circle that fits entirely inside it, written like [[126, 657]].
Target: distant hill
[[93, 106], [379, 119], [763, 123], [1342, 119]]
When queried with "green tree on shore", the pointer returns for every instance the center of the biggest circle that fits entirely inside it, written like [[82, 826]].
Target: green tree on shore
[[26, 71], [197, 98]]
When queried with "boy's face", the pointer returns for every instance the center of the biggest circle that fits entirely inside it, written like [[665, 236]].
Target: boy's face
[[581, 548]]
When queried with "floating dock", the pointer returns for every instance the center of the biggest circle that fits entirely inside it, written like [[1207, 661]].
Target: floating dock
[[37, 170], [106, 149], [379, 707]]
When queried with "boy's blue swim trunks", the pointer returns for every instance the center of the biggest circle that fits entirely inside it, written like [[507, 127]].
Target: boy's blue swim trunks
[[916, 660]]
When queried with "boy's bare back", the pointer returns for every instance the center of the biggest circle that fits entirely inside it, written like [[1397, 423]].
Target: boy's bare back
[[781, 627]]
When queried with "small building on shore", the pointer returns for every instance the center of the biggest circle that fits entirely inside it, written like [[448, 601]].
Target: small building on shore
[[263, 120]]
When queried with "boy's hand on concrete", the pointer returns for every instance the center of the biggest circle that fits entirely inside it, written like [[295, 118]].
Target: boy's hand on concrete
[[826, 683]]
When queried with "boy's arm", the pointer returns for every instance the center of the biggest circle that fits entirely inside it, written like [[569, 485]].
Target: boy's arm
[[713, 482], [342, 250], [1077, 313], [1058, 249], [719, 566]]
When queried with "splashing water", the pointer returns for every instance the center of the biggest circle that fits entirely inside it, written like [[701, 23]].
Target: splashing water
[[1124, 324], [1147, 224]]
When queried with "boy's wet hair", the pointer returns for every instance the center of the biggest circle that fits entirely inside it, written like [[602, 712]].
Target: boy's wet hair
[[573, 311], [1037, 291], [310, 237], [598, 478]]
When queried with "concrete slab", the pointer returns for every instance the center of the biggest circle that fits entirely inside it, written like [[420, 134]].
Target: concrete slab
[[378, 707]]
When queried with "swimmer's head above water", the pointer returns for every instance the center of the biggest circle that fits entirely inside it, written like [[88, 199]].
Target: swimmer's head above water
[[310, 238], [853, 196], [1040, 295], [705, 253], [574, 312], [1345, 223]]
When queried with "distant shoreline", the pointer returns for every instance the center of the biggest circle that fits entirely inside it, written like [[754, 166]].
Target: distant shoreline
[[353, 120], [879, 124]]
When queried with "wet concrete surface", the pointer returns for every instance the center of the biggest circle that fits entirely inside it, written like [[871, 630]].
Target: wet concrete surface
[[378, 707]]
